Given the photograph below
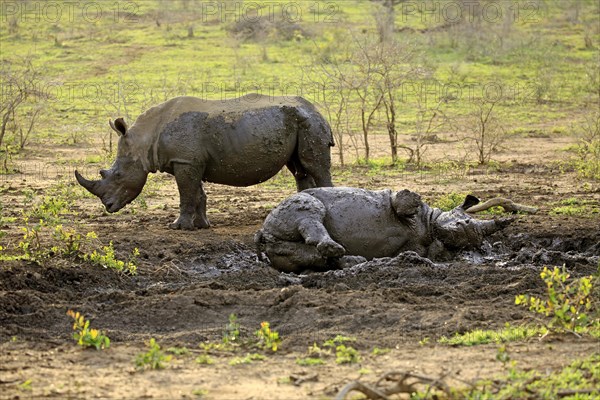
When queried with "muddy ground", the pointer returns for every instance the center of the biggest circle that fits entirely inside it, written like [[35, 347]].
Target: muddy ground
[[189, 282]]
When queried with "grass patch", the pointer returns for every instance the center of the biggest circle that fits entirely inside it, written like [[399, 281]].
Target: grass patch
[[509, 333], [576, 207]]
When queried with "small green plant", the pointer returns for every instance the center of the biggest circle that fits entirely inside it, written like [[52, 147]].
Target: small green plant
[[215, 346], [267, 338], [507, 334], [379, 351], [154, 358], [69, 241], [49, 209], [573, 206], [309, 361], [343, 354], [85, 336], [106, 258], [30, 245], [568, 302], [200, 393], [502, 355], [346, 355], [248, 359], [449, 201], [26, 386], [339, 339], [232, 330], [579, 380], [204, 359], [178, 351]]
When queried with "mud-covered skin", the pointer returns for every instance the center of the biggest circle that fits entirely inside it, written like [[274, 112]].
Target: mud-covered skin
[[238, 142], [328, 228]]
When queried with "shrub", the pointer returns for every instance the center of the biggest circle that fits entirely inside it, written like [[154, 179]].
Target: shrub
[[85, 336]]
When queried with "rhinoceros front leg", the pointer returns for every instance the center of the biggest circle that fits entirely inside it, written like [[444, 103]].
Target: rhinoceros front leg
[[191, 197]]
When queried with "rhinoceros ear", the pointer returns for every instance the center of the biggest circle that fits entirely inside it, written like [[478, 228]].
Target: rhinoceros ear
[[119, 126], [469, 202]]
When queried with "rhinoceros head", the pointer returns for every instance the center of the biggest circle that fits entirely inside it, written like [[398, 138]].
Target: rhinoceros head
[[125, 179], [456, 229]]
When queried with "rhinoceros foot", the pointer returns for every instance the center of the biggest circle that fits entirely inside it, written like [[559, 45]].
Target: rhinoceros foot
[[348, 261], [183, 223], [329, 248]]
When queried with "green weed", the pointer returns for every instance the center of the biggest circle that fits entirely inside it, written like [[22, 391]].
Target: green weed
[[232, 330], [343, 354], [309, 361], [154, 358], [267, 338], [576, 207], [449, 201], [247, 359], [379, 351], [507, 334], [178, 351], [85, 336], [346, 354], [106, 258], [25, 386], [204, 359], [568, 302], [579, 380]]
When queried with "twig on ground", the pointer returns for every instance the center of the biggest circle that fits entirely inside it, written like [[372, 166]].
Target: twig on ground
[[401, 385]]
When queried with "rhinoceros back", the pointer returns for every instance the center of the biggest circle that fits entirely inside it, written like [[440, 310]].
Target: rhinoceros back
[[238, 142]]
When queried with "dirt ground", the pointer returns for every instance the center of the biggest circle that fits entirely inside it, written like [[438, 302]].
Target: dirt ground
[[188, 283]]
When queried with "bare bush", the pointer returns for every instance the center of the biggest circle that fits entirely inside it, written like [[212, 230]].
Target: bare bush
[[22, 99], [483, 132], [429, 122]]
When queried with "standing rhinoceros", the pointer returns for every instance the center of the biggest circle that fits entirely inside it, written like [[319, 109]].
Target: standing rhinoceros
[[237, 142], [327, 228]]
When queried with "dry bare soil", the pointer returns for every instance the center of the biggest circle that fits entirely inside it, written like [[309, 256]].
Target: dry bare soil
[[188, 283]]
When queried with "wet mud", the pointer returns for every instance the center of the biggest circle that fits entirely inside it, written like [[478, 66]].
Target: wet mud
[[188, 283]]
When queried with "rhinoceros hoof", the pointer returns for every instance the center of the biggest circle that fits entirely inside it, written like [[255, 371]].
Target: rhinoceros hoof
[[330, 249], [183, 224], [201, 223]]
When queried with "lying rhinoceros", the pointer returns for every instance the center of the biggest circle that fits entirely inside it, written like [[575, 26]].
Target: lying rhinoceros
[[238, 142], [328, 228]]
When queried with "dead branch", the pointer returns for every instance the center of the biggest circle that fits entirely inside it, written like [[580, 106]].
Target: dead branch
[[401, 385], [506, 204], [370, 392]]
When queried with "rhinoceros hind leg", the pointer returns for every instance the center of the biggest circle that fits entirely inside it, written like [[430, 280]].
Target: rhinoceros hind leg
[[313, 151], [303, 180], [201, 220], [314, 233]]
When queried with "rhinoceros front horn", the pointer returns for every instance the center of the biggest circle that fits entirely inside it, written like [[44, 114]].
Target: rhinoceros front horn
[[92, 186]]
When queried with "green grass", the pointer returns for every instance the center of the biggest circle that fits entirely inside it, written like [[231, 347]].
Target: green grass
[[507, 334], [576, 207], [578, 380], [151, 63]]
